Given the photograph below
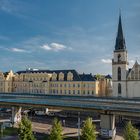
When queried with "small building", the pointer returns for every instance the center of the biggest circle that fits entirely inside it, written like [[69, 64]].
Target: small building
[[105, 85]]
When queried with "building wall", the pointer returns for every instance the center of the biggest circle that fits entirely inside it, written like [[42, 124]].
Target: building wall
[[133, 88], [31, 82], [6, 81], [49, 83], [104, 86]]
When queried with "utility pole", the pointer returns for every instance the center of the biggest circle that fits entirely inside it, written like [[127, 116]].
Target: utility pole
[[78, 125]]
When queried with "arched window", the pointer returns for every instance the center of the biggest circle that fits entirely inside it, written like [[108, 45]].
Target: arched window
[[132, 75], [119, 74], [119, 58], [119, 89]]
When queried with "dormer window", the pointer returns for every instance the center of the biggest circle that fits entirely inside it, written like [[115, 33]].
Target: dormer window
[[61, 76], [54, 76], [70, 76]]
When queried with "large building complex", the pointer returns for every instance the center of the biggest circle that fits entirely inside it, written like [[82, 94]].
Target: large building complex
[[57, 82], [126, 82]]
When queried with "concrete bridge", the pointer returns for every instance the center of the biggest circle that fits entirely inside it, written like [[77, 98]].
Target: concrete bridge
[[107, 106]]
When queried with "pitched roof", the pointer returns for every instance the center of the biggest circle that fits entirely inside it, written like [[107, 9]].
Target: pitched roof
[[108, 76], [87, 77], [76, 75]]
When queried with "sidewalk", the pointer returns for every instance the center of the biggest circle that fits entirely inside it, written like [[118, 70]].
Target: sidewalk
[[9, 138]]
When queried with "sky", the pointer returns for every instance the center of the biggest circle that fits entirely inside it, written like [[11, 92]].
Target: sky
[[66, 34]]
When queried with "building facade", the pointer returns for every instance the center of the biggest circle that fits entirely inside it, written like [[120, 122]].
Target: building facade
[[54, 82], [126, 82], [105, 85], [6, 81]]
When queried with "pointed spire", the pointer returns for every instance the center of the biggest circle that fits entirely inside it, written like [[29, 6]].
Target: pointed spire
[[120, 41], [136, 63]]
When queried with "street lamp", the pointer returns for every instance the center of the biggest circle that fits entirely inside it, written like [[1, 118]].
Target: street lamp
[[78, 125]]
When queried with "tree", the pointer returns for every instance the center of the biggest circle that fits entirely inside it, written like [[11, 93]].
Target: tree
[[88, 130], [56, 131], [98, 76], [25, 129], [130, 133]]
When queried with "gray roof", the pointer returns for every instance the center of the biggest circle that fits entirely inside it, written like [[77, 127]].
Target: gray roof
[[76, 75]]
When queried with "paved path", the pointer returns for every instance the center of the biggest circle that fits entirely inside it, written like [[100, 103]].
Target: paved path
[[9, 138]]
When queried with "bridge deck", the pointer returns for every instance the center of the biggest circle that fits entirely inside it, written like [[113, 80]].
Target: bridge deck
[[102, 104]]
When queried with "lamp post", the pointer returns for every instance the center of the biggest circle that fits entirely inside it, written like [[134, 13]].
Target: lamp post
[[78, 125]]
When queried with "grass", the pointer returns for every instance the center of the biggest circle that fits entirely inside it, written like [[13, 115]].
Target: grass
[[9, 132]]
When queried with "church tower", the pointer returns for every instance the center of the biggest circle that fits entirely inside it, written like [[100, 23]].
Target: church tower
[[120, 64]]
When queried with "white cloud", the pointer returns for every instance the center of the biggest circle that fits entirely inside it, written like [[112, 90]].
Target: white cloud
[[18, 50], [46, 47], [131, 61], [107, 61], [57, 47], [54, 47]]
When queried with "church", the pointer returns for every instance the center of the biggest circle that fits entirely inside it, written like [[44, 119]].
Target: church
[[126, 81]]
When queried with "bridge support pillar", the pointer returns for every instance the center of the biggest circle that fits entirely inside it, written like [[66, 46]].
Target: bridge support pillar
[[16, 115], [107, 125]]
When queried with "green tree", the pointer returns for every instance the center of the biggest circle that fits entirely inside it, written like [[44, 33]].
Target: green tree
[[98, 76], [130, 133], [25, 129], [56, 131], [88, 130]]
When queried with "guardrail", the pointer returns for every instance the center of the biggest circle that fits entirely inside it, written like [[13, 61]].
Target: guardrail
[[86, 104], [78, 98]]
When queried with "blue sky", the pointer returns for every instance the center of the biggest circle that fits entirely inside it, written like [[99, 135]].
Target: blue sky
[[66, 34]]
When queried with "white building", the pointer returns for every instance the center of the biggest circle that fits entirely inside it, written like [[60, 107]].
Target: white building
[[126, 82]]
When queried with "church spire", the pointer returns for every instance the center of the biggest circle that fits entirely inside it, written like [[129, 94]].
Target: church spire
[[120, 41]]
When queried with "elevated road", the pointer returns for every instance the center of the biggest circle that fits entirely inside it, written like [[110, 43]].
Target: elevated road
[[106, 105]]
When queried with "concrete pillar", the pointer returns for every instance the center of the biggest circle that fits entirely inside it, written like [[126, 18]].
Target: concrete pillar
[[16, 115], [107, 124]]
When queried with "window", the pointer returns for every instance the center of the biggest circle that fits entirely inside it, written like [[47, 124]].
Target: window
[[132, 75], [119, 74], [73, 91], [119, 58], [78, 91], [61, 76], [119, 89]]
